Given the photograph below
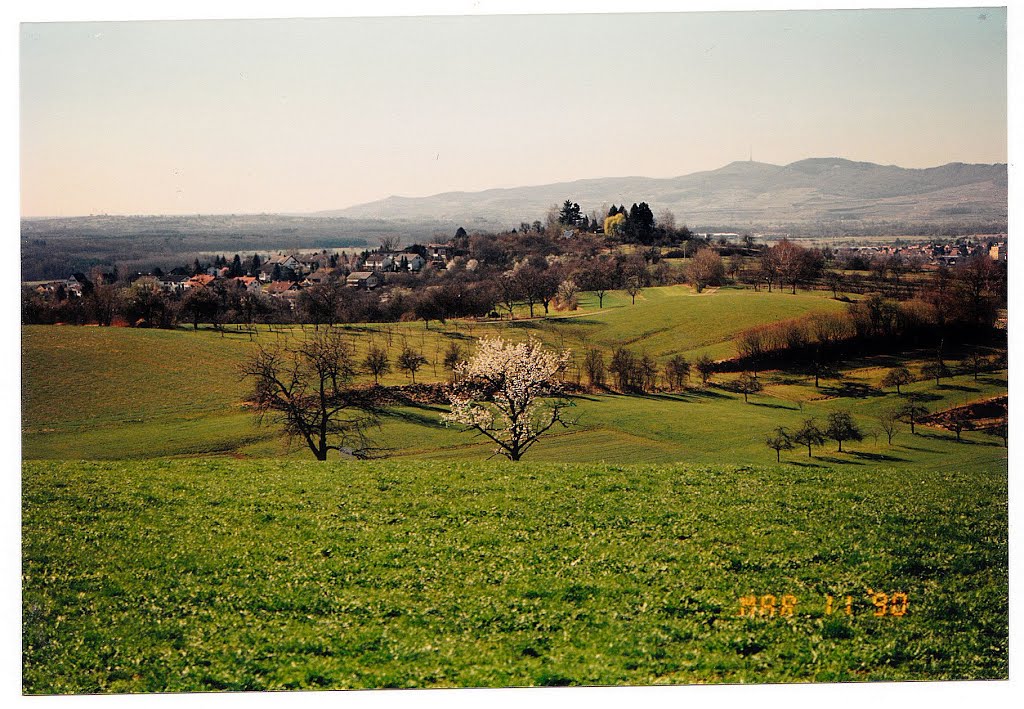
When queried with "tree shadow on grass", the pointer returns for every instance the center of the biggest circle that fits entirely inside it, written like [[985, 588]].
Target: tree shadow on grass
[[807, 464], [922, 396], [958, 387], [583, 397], [878, 457], [993, 381], [413, 417], [775, 406], [920, 449], [706, 393], [852, 390], [839, 461], [457, 335]]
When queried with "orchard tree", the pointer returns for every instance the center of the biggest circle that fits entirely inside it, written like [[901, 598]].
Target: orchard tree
[[593, 365], [597, 275], [935, 370], [411, 361], [200, 304], [705, 269], [453, 356], [705, 368], [897, 377], [841, 427], [960, 420], [912, 412], [779, 440], [377, 362], [305, 389], [510, 394], [633, 288], [809, 434], [677, 372], [888, 421], [748, 384]]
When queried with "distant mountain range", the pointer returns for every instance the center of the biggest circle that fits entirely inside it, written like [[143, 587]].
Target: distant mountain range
[[752, 195]]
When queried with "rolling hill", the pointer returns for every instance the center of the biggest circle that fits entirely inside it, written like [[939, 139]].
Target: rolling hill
[[741, 194]]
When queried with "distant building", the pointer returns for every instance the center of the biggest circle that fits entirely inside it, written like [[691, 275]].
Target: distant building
[[440, 251], [363, 279]]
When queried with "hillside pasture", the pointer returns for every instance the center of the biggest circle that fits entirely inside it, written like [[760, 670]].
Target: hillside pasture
[[175, 576], [117, 393]]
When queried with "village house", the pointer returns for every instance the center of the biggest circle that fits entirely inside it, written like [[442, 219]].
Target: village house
[[314, 262], [445, 252], [249, 283], [318, 277], [412, 261], [200, 281], [379, 261], [172, 282], [287, 267], [77, 285], [362, 279]]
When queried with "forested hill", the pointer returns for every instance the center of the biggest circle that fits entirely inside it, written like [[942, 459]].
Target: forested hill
[[818, 192]]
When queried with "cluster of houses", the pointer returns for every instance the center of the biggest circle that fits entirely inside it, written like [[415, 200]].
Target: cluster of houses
[[948, 252], [283, 275]]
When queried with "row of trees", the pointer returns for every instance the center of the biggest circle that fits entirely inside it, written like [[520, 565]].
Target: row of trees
[[639, 373], [840, 426], [508, 393]]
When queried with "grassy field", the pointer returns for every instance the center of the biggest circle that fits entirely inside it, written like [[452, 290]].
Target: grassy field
[[122, 393], [240, 575], [170, 544]]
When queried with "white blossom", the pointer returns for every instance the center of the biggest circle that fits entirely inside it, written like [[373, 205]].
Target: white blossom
[[505, 395]]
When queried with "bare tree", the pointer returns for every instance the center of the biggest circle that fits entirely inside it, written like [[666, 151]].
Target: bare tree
[[411, 361], [888, 421], [377, 362], [453, 356], [593, 364], [779, 440], [809, 434], [897, 377], [633, 288], [567, 291], [677, 372], [389, 243], [705, 269], [841, 427], [705, 368], [305, 389], [748, 384], [912, 412]]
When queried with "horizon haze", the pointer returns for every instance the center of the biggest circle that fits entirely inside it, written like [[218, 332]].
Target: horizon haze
[[303, 116]]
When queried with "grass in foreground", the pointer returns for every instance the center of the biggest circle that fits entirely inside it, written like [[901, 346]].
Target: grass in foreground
[[240, 575]]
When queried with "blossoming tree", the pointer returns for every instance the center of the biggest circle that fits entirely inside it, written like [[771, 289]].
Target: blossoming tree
[[509, 393]]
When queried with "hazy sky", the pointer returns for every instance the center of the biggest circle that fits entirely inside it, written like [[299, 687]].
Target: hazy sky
[[304, 115]]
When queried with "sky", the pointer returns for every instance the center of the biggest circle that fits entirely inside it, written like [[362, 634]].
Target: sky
[[243, 116]]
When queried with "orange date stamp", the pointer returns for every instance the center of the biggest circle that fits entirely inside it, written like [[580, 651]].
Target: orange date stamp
[[768, 605]]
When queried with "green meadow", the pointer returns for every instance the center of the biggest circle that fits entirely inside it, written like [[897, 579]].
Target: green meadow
[[171, 544], [243, 575]]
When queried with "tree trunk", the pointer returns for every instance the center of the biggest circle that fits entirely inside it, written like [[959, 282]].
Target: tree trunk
[[840, 446]]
